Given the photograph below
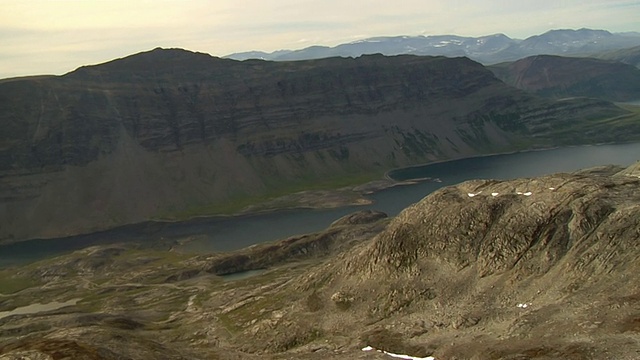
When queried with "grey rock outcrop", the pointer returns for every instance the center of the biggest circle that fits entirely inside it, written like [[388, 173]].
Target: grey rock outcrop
[[493, 269]]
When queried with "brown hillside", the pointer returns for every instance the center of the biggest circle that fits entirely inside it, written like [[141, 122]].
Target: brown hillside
[[561, 77]]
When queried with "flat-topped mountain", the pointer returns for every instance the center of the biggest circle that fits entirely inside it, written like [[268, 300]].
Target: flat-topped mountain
[[171, 134], [532, 268], [561, 77]]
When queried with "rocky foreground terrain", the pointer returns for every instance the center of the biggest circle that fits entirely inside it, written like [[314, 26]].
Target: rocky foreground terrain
[[539, 268]]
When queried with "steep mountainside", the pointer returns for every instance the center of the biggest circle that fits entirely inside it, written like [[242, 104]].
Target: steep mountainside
[[560, 77], [172, 134], [538, 268], [488, 49]]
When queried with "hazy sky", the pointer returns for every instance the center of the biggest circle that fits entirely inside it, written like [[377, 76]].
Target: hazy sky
[[57, 36]]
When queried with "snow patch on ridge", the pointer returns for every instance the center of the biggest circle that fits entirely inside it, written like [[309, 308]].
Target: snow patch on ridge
[[399, 356]]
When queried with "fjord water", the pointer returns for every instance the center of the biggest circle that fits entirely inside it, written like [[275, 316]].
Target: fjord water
[[230, 233]]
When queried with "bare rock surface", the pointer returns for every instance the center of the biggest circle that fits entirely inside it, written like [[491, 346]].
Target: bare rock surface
[[538, 268]]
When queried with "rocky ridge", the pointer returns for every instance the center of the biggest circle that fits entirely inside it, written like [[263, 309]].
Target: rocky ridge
[[529, 268], [537, 268]]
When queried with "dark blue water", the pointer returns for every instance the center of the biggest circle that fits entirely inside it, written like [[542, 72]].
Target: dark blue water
[[230, 233]]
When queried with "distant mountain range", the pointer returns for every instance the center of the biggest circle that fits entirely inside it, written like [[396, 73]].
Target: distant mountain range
[[488, 49]]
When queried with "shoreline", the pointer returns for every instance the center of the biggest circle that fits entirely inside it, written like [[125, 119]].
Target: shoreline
[[388, 176], [351, 196]]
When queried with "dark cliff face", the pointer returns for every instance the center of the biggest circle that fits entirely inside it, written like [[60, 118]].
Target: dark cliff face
[[556, 76], [172, 134], [169, 99]]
